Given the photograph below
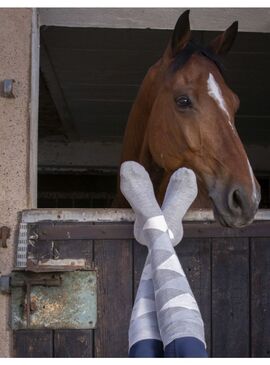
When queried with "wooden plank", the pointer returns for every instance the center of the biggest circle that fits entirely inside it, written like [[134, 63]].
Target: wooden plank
[[98, 109], [247, 108], [33, 343], [252, 63], [73, 343], [95, 131], [99, 60], [195, 257], [49, 122], [260, 297], [34, 113], [108, 38], [107, 215], [105, 38], [103, 77], [50, 76], [138, 59], [230, 297], [81, 231], [213, 229], [113, 260], [62, 255], [98, 92], [245, 41], [43, 252], [245, 128]]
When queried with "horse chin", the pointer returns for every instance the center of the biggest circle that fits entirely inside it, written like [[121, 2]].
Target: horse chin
[[233, 205], [230, 222]]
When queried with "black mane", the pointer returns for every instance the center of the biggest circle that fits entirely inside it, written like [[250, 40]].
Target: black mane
[[184, 55]]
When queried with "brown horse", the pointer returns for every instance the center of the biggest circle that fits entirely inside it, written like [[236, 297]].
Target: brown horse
[[184, 116]]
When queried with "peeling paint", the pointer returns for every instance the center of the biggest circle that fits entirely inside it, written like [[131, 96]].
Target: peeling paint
[[80, 263]]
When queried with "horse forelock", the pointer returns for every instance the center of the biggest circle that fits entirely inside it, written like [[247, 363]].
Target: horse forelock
[[193, 48]]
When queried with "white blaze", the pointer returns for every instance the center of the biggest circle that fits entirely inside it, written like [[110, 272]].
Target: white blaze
[[254, 195], [216, 94]]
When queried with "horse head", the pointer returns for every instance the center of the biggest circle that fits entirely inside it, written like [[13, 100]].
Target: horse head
[[184, 116]]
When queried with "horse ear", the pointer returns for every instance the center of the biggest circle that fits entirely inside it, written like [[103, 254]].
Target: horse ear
[[181, 33], [223, 43]]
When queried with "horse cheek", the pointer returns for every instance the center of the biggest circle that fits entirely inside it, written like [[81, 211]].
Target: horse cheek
[[192, 137]]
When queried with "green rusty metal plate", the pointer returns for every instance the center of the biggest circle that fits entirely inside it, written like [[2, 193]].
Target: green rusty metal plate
[[55, 300]]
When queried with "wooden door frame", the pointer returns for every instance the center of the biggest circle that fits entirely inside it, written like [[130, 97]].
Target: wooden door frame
[[33, 128]]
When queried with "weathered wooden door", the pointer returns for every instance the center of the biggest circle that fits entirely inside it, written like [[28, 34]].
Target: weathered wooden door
[[228, 270]]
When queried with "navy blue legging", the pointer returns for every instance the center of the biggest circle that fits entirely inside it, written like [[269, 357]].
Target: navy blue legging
[[181, 347]]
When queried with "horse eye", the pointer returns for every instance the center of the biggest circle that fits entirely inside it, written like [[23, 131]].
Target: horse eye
[[183, 102]]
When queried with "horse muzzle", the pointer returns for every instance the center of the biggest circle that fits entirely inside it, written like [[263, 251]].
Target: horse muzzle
[[235, 207]]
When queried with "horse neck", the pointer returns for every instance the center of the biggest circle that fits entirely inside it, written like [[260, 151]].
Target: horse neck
[[135, 144], [135, 132]]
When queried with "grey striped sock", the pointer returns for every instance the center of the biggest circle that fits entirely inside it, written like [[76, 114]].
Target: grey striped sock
[[172, 298], [177, 310], [143, 323]]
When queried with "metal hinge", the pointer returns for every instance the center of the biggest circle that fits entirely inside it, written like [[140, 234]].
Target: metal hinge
[[4, 235]]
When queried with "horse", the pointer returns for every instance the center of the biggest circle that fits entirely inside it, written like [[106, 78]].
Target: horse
[[183, 115]]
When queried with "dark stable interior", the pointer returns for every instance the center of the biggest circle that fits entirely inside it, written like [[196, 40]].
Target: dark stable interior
[[89, 78]]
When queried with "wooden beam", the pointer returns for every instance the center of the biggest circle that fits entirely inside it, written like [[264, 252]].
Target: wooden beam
[[91, 155], [52, 82], [59, 231], [157, 18], [33, 140]]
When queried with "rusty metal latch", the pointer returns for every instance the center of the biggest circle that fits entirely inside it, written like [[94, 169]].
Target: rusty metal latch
[[7, 282], [53, 300], [28, 283], [4, 235]]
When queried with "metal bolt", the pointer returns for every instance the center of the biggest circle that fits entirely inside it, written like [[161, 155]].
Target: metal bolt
[[8, 88], [4, 235], [5, 284]]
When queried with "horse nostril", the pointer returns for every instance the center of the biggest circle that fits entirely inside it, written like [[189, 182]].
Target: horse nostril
[[236, 200]]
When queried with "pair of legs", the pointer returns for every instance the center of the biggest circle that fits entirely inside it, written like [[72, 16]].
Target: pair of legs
[[165, 320]]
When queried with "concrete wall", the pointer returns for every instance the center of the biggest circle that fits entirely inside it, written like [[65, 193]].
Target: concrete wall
[[15, 63], [250, 19]]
